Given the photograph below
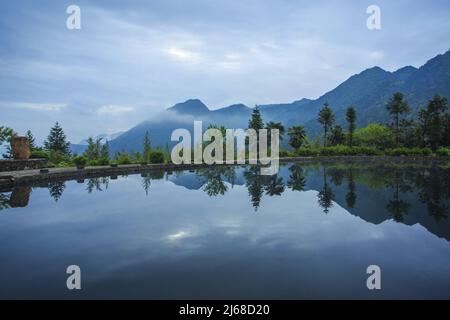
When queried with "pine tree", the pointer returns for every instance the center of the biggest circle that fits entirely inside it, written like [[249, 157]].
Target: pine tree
[[56, 140], [104, 151], [351, 120], [256, 122], [326, 119], [31, 140]]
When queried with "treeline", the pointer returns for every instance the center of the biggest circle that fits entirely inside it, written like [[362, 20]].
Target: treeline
[[56, 149], [427, 134]]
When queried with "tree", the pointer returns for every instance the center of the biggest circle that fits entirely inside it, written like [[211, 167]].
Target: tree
[[104, 151], [374, 135], [256, 121], [275, 125], [424, 123], [437, 112], [337, 136], [147, 146], [31, 140], [326, 119], [5, 134], [56, 140], [92, 150], [397, 106], [446, 134], [351, 120], [297, 136]]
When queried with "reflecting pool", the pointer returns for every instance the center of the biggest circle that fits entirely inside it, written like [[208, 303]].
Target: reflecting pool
[[229, 233]]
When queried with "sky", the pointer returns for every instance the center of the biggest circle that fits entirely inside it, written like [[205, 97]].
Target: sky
[[132, 59]]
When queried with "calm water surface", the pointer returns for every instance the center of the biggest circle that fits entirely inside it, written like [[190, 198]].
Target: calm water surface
[[309, 232]]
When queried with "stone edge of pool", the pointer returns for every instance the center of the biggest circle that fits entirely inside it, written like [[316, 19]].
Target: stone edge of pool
[[9, 179]]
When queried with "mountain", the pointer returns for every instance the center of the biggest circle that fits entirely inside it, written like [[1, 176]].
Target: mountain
[[368, 92]]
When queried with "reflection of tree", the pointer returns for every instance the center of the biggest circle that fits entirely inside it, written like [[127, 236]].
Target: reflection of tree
[[214, 179], [336, 176], [434, 191], [297, 181], [274, 186], [56, 189], [351, 196], [326, 195], [397, 207], [97, 183], [4, 201], [146, 183], [253, 182]]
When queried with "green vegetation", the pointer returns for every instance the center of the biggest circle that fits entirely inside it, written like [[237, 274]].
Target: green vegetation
[[156, 157], [428, 135], [57, 141], [80, 161], [326, 119]]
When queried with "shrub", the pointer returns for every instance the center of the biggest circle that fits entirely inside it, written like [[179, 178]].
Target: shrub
[[284, 154], [156, 157], [123, 158], [443, 152], [39, 154], [56, 157], [307, 152], [80, 161], [99, 162]]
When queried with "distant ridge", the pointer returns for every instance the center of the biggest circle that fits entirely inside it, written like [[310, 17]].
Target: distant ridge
[[367, 91]]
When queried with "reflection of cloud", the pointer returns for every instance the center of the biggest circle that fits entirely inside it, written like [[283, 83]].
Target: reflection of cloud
[[35, 106], [178, 236], [114, 109]]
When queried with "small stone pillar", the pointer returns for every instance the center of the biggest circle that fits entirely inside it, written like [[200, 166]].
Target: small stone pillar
[[20, 197], [20, 148]]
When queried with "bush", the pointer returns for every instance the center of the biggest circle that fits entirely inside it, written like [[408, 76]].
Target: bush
[[342, 150], [307, 152], [443, 152], [57, 157], [99, 162], [284, 154], [39, 154], [156, 157], [80, 161], [123, 158]]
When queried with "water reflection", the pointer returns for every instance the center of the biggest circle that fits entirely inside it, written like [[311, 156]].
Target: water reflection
[[397, 188], [228, 232]]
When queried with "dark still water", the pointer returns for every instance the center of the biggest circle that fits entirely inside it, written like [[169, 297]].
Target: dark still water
[[309, 232]]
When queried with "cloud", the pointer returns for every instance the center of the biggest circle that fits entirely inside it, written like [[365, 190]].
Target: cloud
[[114, 110], [47, 107], [183, 54]]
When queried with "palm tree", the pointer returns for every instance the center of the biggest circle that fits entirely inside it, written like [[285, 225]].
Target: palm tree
[[297, 136], [275, 125]]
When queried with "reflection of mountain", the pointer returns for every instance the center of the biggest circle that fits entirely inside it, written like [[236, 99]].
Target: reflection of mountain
[[376, 193], [368, 192]]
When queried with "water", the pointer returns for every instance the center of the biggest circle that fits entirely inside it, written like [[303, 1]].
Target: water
[[228, 233]]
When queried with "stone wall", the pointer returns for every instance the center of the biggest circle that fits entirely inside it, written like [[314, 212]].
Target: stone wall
[[14, 165]]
